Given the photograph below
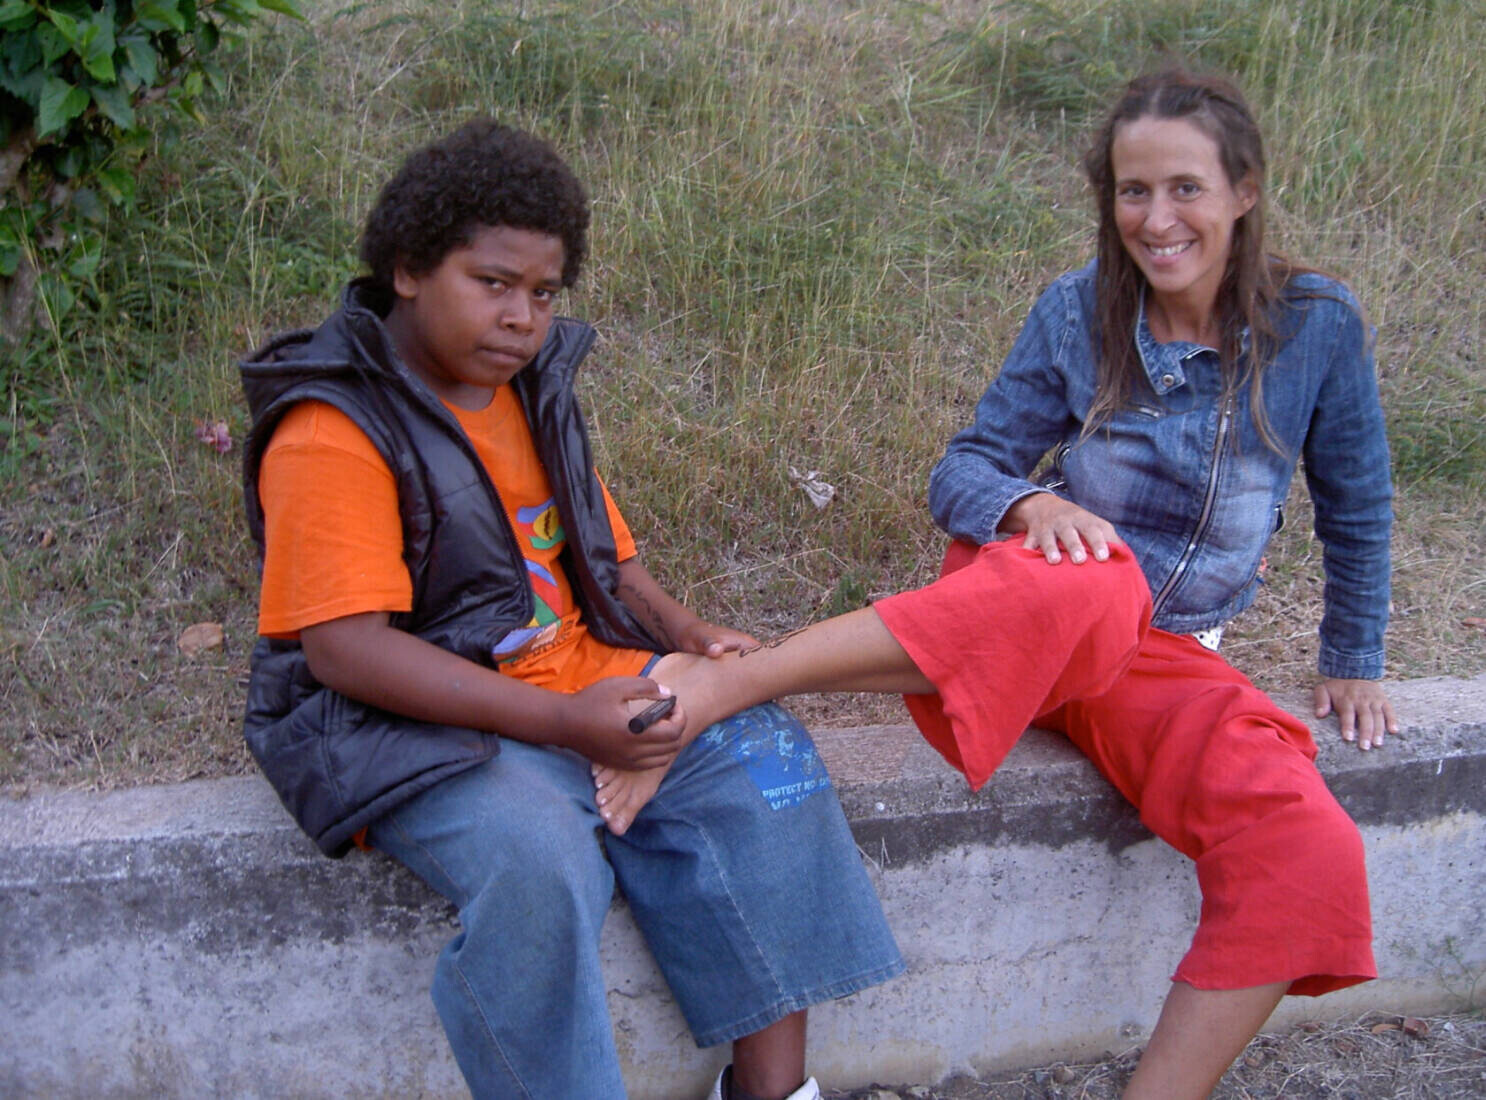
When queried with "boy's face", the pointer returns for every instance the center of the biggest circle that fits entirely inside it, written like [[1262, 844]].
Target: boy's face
[[472, 322]]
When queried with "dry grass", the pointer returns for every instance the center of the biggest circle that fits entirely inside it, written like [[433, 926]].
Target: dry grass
[[1376, 1057], [817, 230]]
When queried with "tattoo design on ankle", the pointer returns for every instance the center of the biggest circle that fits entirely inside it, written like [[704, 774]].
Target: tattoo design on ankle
[[773, 643]]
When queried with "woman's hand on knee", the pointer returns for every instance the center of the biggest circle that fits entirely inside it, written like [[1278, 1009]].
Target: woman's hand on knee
[[1053, 525], [1363, 710]]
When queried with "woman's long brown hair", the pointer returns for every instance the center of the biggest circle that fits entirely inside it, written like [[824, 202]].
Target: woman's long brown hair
[[1253, 280]]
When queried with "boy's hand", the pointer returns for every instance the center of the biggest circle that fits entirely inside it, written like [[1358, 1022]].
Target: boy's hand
[[673, 625], [710, 640], [595, 724]]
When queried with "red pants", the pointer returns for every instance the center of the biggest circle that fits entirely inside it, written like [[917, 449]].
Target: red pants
[[1215, 768]]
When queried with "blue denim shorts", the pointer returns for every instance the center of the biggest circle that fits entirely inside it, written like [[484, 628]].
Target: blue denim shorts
[[744, 878], [741, 874]]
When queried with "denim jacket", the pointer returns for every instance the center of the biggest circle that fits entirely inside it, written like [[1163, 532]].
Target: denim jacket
[[1184, 476]]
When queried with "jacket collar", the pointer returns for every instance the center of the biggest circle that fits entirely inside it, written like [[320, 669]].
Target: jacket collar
[[1166, 365]]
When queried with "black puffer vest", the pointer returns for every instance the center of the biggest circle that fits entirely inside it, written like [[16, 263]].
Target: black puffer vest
[[338, 764]]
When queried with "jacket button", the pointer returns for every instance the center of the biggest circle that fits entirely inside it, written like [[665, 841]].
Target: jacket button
[[1168, 380]]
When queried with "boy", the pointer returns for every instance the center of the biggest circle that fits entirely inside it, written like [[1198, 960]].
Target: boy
[[456, 629]]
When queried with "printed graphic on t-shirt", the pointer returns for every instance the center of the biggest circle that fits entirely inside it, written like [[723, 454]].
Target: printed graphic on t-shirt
[[540, 528], [777, 754], [539, 531]]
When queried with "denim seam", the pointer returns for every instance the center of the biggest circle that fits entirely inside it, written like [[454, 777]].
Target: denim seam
[[794, 1003], [449, 879], [719, 866], [464, 982], [495, 1042]]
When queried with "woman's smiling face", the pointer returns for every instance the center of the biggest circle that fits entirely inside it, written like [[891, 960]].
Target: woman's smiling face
[[1175, 208]]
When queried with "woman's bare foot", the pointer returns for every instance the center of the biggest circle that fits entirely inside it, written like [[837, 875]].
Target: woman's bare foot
[[697, 683], [621, 793]]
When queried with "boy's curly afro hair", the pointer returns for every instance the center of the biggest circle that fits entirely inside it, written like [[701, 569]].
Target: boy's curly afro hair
[[483, 174]]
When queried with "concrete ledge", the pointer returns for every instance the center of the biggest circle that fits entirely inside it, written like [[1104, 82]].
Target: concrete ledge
[[188, 940]]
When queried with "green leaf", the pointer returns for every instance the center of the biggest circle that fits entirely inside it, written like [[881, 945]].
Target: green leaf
[[26, 88], [114, 103], [116, 180], [133, 143], [82, 262], [160, 15], [66, 26], [56, 295], [16, 15], [283, 7], [61, 102], [141, 56], [207, 36], [53, 43], [20, 52], [215, 76], [241, 12], [96, 48]]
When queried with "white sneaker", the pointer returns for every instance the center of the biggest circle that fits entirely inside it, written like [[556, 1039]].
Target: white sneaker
[[808, 1091]]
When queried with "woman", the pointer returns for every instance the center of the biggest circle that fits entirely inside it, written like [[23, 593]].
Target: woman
[[1177, 380]]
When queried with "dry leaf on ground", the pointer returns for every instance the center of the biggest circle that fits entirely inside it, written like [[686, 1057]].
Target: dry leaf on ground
[[199, 637], [214, 433], [819, 491]]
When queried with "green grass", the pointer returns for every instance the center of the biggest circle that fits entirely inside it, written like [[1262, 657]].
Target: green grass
[[817, 229]]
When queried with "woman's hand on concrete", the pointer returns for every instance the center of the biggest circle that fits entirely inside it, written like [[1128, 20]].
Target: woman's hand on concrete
[[1362, 708]]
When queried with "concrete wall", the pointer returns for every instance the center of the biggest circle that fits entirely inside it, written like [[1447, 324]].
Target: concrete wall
[[188, 941]]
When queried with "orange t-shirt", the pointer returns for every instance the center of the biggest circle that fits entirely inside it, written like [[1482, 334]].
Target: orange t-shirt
[[333, 538]]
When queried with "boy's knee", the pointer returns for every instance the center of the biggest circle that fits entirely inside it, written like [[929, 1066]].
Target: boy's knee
[[540, 850], [536, 885]]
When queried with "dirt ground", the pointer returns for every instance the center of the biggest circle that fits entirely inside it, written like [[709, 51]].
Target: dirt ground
[[1376, 1057]]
